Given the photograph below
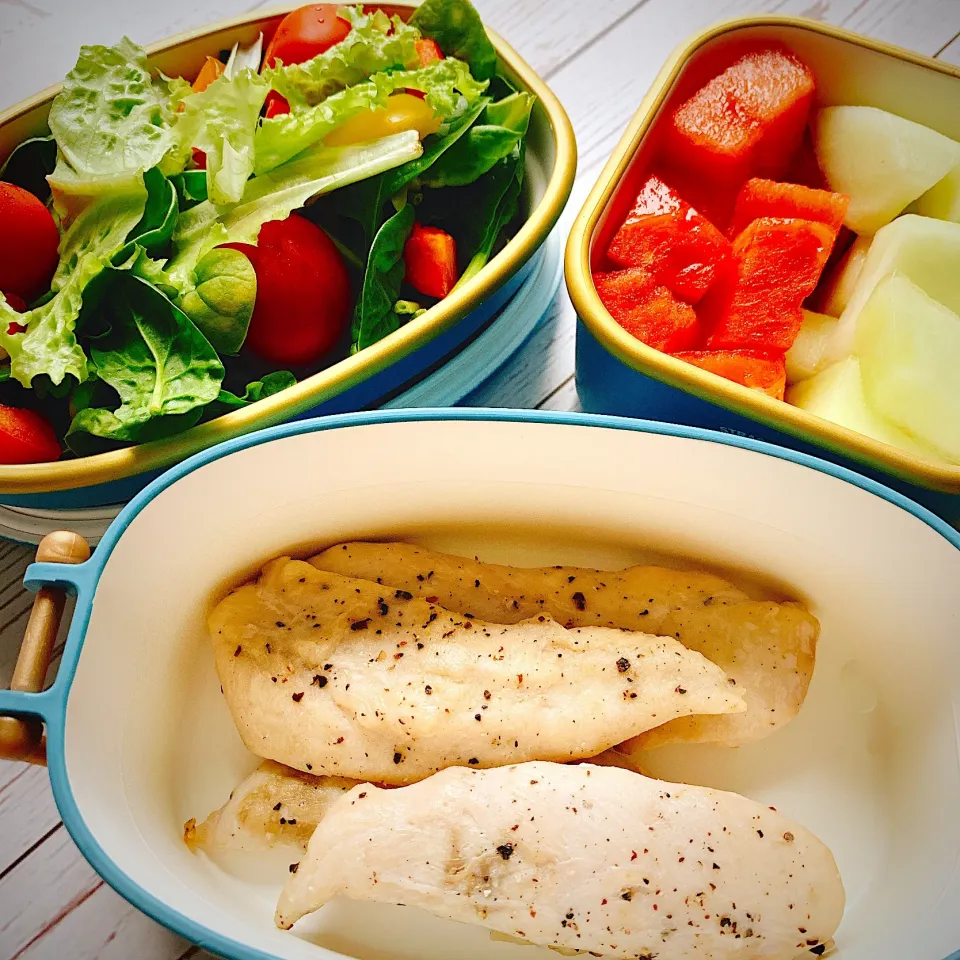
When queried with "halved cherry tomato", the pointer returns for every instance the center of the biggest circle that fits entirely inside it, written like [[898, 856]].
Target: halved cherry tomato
[[430, 256], [302, 35], [16, 303], [26, 437], [28, 243], [305, 33], [303, 292], [211, 70], [403, 112]]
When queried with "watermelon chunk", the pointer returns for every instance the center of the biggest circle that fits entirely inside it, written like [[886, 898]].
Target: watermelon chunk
[[778, 263], [647, 310], [746, 122], [767, 198], [668, 238], [758, 371]]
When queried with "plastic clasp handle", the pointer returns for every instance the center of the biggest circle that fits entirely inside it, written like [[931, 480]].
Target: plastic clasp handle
[[22, 738]]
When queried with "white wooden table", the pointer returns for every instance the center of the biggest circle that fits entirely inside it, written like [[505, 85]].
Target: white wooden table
[[599, 58]]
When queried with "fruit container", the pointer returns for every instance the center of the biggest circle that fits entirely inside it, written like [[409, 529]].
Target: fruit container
[[871, 763], [473, 330], [617, 374]]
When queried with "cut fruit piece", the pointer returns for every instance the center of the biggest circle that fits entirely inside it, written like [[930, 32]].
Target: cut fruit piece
[[778, 264], [842, 279], [647, 310], [836, 395], [767, 198], [942, 200], [748, 121], [881, 160], [909, 350], [924, 250], [805, 357], [754, 370], [712, 200], [671, 241]]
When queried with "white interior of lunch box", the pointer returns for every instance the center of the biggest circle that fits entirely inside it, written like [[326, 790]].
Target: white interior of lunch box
[[871, 764], [846, 73]]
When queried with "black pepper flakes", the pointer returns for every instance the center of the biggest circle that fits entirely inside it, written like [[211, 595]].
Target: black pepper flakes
[[278, 806], [487, 694], [397, 758], [296, 697], [403, 595], [294, 867], [579, 601], [236, 652], [280, 623], [623, 665], [360, 624], [505, 850], [473, 761], [384, 609], [319, 681], [328, 666]]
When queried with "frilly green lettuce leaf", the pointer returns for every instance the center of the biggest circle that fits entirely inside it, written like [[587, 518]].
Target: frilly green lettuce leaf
[[375, 43], [111, 122], [448, 86], [221, 121], [258, 390], [49, 345]]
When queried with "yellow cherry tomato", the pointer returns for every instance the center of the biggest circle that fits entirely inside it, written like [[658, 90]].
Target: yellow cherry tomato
[[403, 112]]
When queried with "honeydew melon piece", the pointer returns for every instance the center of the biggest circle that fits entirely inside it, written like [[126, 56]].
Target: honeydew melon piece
[[836, 394], [909, 351], [942, 200], [924, 250], [842, 279], [881, 160], [805, 357]]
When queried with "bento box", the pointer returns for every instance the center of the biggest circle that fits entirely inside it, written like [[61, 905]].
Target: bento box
[[871, 763], [387, 371], [617, 374]]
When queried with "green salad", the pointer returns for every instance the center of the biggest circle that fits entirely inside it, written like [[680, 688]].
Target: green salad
[[176, 247]]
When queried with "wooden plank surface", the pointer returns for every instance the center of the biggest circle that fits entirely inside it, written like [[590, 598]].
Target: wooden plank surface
[[599, 58]]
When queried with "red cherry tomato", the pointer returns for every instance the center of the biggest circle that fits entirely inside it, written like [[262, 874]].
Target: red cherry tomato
[[428, 51], [276, 105], [26, 437], [303, 292], [28, 243], [306, 32], [430, 256]]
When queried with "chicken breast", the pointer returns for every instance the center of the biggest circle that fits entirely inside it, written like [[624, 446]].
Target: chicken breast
[[580, 857], [274, 805], [338, 676], [768, 648]]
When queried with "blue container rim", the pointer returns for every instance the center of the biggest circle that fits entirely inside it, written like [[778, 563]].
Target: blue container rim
[[52, 704]]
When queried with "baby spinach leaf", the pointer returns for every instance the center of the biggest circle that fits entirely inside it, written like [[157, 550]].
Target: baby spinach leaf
[[458, 30], [155, 227], [160, 365], [374, 317], [221, 304], [496, 135], [191, 187], [495, 204], [30, 164], [267, 386]]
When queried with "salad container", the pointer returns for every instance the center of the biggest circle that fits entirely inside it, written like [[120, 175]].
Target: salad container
[[479, 324], [617, 374], [871, 764]]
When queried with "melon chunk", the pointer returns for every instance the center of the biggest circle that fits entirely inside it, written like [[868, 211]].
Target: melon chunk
[[924, 250], [805, 357], [842, 279], [942, 200], [909, 350], [836, 394], [882, 161]]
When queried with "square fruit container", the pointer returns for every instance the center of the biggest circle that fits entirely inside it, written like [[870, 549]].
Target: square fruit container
[[435, 359], [617, 374], [139, 738]]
